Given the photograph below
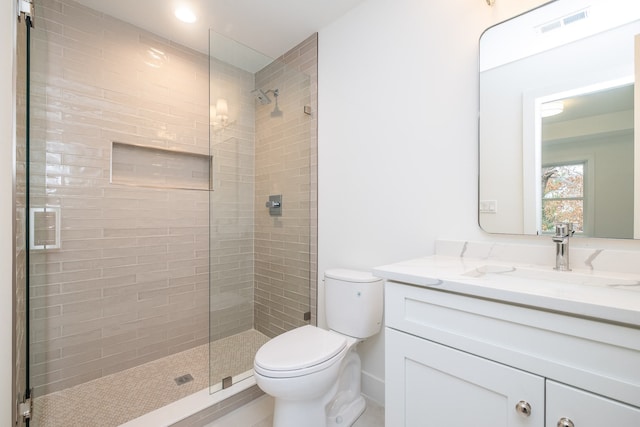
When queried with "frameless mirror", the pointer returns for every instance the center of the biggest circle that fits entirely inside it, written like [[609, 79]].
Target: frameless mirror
[[557, 140]]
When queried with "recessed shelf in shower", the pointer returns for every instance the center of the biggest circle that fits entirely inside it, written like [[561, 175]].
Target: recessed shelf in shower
[[157, 167]]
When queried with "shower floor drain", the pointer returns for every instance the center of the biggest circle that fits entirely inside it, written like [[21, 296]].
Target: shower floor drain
[[183, 379]]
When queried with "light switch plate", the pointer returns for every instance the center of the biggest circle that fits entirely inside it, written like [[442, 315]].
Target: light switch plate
[[488, 206]]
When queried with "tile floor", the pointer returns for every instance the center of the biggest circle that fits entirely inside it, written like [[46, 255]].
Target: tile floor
[[112, 400], [259, 413]]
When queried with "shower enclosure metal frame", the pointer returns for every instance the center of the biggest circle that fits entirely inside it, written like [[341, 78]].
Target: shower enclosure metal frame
[[21, 384]]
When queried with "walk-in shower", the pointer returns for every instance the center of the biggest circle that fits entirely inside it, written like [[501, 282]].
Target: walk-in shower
[[154, 269]]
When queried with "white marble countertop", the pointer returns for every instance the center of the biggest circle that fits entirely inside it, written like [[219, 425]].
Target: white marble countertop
[[613, 297]]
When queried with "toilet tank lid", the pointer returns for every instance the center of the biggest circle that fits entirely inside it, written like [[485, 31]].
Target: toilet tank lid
[[351, 275]]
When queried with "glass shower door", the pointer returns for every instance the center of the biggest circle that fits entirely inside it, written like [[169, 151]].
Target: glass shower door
[[119, 212]]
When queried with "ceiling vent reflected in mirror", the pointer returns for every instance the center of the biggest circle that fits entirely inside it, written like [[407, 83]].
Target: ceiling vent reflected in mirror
[[564, 21]]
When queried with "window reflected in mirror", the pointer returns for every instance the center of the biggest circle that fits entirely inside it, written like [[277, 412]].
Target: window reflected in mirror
[[563, 196], [587, 169]]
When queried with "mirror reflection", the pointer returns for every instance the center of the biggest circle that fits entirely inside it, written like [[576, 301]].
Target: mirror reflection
[[587, 151], [557, 120]]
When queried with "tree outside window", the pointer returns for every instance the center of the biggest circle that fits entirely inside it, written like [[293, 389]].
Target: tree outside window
[[563, 196]]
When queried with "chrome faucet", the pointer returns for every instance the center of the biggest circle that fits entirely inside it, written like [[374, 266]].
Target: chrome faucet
[[564, 230]]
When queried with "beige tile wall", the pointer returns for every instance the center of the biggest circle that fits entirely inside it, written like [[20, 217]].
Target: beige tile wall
[[286, 163], [130, 282]]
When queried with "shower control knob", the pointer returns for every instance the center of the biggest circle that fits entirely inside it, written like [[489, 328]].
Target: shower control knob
[[565, 422], [523, 408], [274, 204]]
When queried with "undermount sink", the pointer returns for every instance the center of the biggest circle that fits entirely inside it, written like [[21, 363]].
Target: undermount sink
[[560, 277]]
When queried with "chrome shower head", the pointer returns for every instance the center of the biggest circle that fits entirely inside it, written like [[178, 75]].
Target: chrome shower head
[[261, 96]]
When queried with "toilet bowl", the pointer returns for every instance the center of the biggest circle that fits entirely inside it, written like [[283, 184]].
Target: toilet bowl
[[313, 373]]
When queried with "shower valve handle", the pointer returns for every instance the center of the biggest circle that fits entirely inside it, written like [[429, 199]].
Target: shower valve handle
[[272, 204]]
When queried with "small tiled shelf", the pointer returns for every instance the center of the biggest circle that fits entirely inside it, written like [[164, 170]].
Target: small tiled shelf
[[156, 167]]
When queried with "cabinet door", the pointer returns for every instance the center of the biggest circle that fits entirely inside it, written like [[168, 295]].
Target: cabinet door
[[582, 409], [430, 385]]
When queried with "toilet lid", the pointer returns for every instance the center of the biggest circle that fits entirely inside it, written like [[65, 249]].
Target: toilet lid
[[299, 348]]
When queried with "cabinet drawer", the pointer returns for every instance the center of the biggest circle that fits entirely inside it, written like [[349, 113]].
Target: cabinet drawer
[[586, 409]]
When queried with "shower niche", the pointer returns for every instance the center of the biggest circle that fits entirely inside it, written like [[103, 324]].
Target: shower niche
[[161, 168]]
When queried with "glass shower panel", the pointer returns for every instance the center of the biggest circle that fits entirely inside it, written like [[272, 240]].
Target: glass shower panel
[[118, 264], [260, 258]]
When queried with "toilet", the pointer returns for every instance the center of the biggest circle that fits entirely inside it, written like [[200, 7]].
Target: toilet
[[314, 374]]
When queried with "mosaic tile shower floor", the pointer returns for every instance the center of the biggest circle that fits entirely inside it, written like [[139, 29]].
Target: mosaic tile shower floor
[[118, 398]]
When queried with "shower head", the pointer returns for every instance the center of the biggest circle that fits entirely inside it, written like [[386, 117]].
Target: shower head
[[261, 96]]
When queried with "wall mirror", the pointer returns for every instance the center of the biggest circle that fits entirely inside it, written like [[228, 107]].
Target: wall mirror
[[556, 134]]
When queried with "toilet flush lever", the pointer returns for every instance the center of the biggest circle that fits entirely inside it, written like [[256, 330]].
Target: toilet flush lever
[[275, 205]]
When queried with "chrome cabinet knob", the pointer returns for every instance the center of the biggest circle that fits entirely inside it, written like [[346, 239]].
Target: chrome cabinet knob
[[565, 422], [523, 408]]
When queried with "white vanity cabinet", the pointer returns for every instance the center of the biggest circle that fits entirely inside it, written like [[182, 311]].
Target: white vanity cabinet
[[455, 360]]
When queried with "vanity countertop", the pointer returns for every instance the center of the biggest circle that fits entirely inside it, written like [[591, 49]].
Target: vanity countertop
[[613, 297]]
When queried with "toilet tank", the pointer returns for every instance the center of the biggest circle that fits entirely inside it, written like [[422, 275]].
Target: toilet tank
[[353, 302]]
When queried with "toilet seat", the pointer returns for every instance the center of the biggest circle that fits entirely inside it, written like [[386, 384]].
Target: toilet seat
[[299, 352]]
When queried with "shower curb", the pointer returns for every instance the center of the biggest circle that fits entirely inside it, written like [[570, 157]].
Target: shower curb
[[218, 410]]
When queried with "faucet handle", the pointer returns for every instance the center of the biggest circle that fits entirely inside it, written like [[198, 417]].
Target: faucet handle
[[564, 229]]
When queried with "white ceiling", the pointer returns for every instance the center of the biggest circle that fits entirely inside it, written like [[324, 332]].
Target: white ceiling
[[271, 27]]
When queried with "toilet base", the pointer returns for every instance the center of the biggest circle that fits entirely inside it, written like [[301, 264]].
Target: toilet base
[[294, 413], [347, 403], [312, 414], [349, 414]]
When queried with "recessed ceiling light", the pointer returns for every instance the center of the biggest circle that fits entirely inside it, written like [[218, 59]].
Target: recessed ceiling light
[[185, 14]]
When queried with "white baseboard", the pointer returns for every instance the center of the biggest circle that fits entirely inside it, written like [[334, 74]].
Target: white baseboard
[[373, 388]]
